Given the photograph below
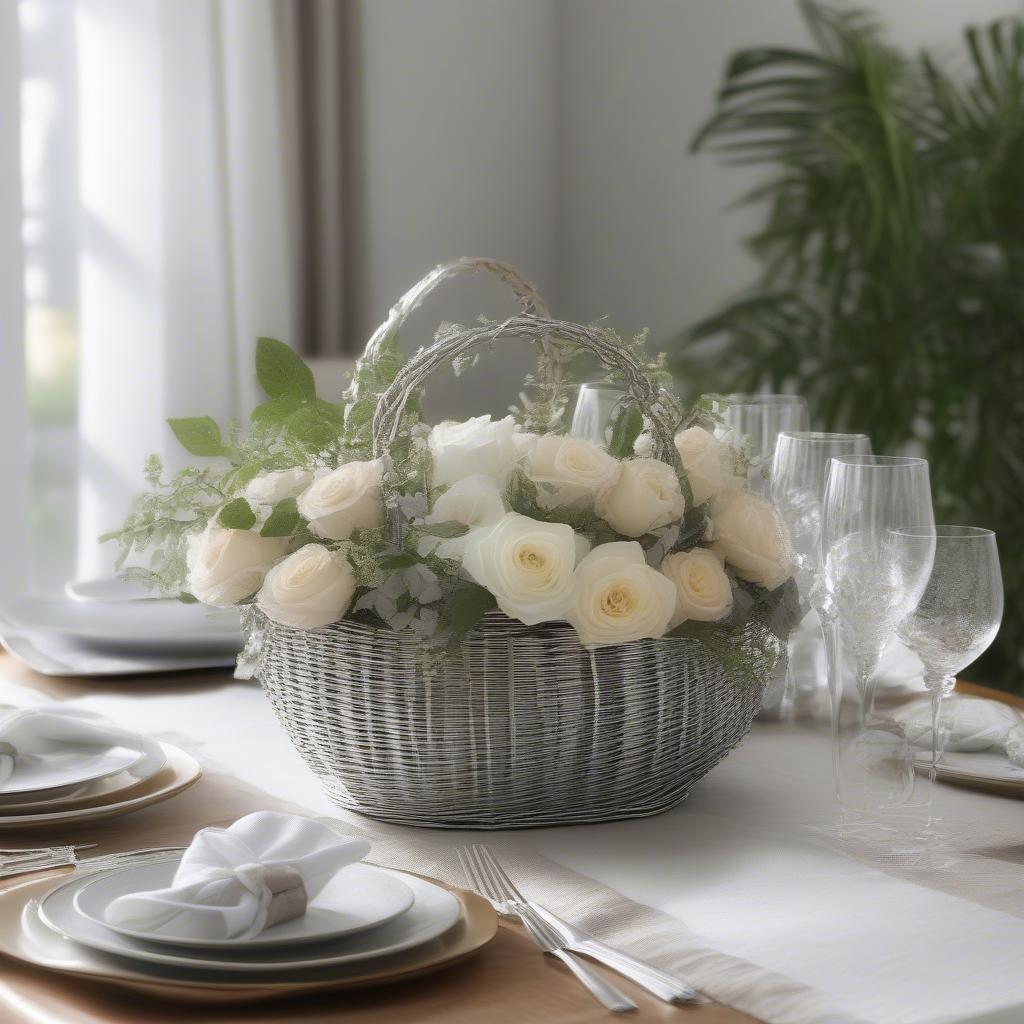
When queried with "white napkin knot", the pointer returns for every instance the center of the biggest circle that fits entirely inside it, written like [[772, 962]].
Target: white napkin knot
[[278, 887], [236, 882]]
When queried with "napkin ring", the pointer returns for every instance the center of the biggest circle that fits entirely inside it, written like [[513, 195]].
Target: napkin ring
[[288, 896]]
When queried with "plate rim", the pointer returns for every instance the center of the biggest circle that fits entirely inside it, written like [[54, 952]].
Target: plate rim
[[473, 910], [141, 754], [214, 944], [186, 772]]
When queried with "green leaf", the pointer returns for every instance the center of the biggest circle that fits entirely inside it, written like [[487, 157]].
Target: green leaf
[[282, 520], [467, 606], [281, 372], [277, 410], [237, 515], [309, 427], [446, 530], [393, 563], [198, 435], [186, 598], [625, 430]]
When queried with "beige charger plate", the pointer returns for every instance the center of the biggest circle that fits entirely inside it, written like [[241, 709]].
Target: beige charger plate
[[25, 938], [179, 772]]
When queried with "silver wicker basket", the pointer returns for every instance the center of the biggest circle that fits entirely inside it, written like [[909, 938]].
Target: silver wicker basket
[[525, 727]]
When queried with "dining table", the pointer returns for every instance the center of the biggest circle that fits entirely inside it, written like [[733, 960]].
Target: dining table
[[742, 888]]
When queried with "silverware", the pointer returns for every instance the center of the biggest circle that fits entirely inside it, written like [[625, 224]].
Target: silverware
[[479, 868], [43, 858], [658, 982]]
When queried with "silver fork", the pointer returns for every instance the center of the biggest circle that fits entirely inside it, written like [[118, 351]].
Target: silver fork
[[486, 881], [42, 858], [656, 981]]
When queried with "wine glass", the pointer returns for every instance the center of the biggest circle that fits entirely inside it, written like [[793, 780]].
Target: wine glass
[[959, 613], [874, 573], [752, 423], [796, 489], [597, 406]]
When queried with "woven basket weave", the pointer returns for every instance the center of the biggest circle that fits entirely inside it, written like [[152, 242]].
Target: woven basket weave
[[525, 727]]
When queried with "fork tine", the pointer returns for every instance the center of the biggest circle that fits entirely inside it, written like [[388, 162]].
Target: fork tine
[[488, 855], [476, 879]]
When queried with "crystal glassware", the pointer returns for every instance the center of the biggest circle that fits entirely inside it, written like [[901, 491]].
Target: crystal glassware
[[874, 572], [797, 486], [597, 406], [752, 423], [959, 613]]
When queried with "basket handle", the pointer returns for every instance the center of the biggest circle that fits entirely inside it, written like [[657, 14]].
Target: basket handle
[[657, 403], [528, 296]]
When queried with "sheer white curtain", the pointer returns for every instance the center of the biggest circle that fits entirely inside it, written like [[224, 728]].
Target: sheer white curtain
[[13, 433], [186, 250]]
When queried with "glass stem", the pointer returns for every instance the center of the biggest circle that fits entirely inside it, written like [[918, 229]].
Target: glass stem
[[938, 686], [830, 634]]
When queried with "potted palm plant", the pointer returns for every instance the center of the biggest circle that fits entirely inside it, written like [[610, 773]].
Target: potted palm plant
[[891, 290]]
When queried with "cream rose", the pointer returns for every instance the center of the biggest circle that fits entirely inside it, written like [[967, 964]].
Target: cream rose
[[703, 590], [572, 467], [475, 501], [644, 498], [227, 566], [343, 500], [477, 445], [750, 535], [706, 465], [270, 488], [312, 587], [618, 597], [527, 565]]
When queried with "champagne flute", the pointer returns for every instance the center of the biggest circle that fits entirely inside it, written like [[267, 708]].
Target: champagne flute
[[597, 407], [959, 613], [874, 576], [797, 486], [752, 423]]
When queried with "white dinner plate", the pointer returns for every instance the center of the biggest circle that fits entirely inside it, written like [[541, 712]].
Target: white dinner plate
[[356, 898], [151, 625], [433, 912], [67, 764], [79, 795], [179, 772]]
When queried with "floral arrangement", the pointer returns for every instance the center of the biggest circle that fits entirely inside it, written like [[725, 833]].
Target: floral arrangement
[[294, 515]]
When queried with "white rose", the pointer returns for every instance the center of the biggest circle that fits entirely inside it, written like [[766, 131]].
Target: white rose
[[526, 565], [475, 501], [645, 498], [312, 587], [706, 465], [703, 590], [227, 566], [572, 467], [618, 597], [751, 537], [476, 445], [343, 500], [523, 443], [270, 488]]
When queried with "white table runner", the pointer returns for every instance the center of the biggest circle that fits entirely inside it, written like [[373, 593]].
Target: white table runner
[[746, 900]]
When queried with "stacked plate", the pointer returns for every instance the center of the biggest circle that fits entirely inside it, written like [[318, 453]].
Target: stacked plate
[[990, 772], [108, 627], [367, 925], [89, 783]]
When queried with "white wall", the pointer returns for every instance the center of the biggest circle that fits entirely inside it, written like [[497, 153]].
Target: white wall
[[459, 145], [555, 133]]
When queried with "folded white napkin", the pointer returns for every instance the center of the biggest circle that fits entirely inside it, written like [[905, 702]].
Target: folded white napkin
[[974, 724], [236, 882], [35, 731]]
